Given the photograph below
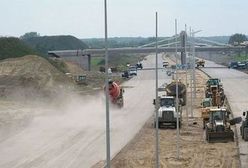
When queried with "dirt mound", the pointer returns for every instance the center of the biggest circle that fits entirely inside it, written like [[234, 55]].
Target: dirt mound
[[30, 71]]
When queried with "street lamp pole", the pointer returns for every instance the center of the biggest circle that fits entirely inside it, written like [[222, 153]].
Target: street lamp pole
[[156, 93], [186, 76], [191, 78], [177, 91], [107, 89], [193, 55]]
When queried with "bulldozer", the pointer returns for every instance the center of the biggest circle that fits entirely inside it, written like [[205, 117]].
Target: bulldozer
[[244, 127], [218, 128]]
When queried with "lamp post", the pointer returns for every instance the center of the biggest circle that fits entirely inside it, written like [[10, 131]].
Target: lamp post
[[156, 93], [194, 78], [107, 89], [177, 91]]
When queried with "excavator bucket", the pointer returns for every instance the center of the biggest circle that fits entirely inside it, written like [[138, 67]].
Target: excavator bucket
[[220, 136], [235, 120]]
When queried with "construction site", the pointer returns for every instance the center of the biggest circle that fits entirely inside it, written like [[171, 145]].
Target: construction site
[[123, 84], [34, 101]]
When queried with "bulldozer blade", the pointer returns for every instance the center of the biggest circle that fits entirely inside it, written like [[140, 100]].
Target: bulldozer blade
[[235, 120], [220, 136]]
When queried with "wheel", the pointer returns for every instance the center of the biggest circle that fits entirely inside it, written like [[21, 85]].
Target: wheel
[[245, 134], [155, 124], [206, 134]]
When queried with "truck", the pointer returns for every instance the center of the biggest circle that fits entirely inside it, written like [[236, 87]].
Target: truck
[[116, 93], [132, 70], [165, 101], [244, 127], [237, 65], [167, 116], [171, 91]]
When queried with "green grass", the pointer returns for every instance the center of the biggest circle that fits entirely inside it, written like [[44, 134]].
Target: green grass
[[11, 47], [43, 44], [242, 57], [60, 65]]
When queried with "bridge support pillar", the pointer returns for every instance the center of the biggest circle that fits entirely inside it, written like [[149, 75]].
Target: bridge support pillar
[[183, 52], [89, 62]]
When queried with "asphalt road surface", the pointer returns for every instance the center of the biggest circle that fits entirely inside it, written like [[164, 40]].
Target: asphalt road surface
[[72, 134], [236, 89]]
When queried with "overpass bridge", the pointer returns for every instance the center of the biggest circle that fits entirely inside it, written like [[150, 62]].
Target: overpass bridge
[[165, 45], [147, 50], [95, 52]]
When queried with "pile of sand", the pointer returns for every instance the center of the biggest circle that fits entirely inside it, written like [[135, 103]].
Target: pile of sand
[[30, 72]]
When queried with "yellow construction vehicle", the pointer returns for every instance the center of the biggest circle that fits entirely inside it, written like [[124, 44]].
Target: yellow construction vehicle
[[214, 89], [200, 63], [218, 128], [206, 105]]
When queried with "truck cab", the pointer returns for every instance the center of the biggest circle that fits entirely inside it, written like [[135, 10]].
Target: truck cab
[[218, 127], [167, 116], [168, 101]]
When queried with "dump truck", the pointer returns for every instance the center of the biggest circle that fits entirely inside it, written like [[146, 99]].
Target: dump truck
[[171, 91], [214, 89], [116, 93], [244, 127], [218, 128], [200, 63], [167, 115]]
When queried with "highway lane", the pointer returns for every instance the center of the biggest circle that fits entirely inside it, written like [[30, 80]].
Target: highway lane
[[236, 89], [72, 134]]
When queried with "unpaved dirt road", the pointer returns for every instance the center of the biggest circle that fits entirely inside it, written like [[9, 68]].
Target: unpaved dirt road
[[70, 131], [235, 86]]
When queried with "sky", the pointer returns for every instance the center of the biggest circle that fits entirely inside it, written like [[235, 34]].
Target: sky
[[126, 18]]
